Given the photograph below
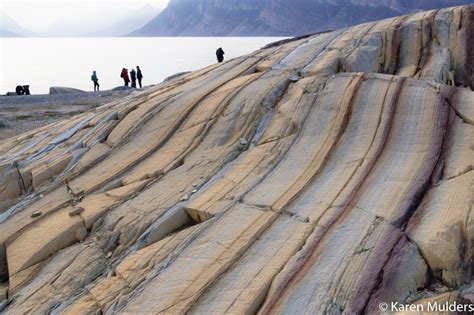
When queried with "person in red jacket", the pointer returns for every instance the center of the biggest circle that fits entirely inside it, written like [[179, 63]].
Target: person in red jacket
[[125, 77]]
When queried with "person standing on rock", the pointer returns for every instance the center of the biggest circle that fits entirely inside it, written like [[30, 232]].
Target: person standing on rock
[[220, 54], [95, 79], [133, 75], [124, 76], [139, 76]]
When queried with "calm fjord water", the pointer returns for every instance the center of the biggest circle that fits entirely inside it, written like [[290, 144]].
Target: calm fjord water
[[45, 62]]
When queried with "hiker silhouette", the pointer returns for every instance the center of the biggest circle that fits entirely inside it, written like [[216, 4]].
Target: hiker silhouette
[[133, 76], [139, 76], [124, 76], [220, 54], [95, 79], [22, 90]]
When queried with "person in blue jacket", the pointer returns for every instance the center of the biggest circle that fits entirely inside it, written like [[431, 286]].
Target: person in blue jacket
[[95, 79]]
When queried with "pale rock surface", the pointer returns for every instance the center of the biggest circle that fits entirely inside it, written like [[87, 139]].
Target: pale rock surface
[[323, 174]]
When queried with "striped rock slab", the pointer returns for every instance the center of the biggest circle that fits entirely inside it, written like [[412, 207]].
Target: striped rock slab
[[323, 174]]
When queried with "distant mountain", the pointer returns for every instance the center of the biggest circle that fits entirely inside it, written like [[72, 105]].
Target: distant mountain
[[5, 33], [128, 22], [275, 17], [11, 28], [101, 22]]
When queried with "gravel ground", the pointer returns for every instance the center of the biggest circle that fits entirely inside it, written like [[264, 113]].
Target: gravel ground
[[57, 99], [19, 114]]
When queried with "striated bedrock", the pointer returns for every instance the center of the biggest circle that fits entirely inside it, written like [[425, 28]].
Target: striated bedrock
[[320, 175]]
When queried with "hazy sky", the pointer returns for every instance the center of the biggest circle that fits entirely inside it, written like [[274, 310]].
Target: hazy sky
[[40, 15]]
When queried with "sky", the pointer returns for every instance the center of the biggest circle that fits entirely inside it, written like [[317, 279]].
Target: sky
[[42, 16]]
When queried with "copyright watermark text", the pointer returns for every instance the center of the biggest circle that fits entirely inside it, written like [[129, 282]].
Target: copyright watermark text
[[429, 307]]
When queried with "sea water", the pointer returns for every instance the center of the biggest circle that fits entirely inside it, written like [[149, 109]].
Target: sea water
[[45, 62]]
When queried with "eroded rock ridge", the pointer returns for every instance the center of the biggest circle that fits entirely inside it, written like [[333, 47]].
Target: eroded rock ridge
[[321, 175]]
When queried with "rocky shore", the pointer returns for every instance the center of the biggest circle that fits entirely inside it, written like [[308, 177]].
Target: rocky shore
[[23, 113]]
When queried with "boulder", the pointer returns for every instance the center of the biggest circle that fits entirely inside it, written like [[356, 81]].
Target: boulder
[[175, 76], [63, 90]]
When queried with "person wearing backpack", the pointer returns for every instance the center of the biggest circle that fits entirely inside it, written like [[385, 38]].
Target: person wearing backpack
[[125, 77], [95, 79]]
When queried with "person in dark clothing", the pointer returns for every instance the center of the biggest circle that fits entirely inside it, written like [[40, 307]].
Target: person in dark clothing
[[95, 79], [133, 75], [22, 90], [125, 77], [139, 76], [220, 54], [19, 90]]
